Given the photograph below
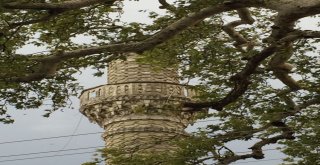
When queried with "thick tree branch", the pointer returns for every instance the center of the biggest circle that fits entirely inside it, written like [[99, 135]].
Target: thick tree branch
[[242, 78], [241, 82], [303, 34], [166, 5], [281, 69], [240, 41], [289, 13], [158, 38], [66, 5], [54, 9]]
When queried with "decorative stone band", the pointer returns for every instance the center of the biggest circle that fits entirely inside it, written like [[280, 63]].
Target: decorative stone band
[[112, 108], [144, 117], [110, 91], [146, 123], [145, 129]]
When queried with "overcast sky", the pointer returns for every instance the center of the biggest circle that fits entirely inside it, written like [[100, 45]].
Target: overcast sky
[[30, 124]]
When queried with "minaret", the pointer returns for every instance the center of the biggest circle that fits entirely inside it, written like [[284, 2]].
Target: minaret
[[139, 108]]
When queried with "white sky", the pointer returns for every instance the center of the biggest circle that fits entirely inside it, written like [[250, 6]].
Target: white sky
[[30, 124]]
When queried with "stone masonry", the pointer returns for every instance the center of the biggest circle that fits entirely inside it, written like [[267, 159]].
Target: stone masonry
[[139, 108]]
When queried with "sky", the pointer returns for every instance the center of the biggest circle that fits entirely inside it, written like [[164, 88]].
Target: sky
[[31, 125]]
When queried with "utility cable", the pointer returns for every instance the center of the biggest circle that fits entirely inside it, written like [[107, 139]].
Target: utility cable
[[82, 134], [83, 148], [45, 152], [78, 153], [92, 133], [46, 138], [73, 133], [39, 157]]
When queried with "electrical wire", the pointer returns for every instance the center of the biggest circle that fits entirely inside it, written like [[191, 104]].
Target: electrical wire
[[47, 138], [64, 136], [83, 148], [78, 153], [71, 137], [40, 157], [45, 152], [83, 134]]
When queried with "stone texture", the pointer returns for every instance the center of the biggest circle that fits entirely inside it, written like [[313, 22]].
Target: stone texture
[[139, 107], [121, 71]]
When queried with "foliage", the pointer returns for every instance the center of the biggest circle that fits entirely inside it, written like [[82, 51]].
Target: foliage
[[243, 67]]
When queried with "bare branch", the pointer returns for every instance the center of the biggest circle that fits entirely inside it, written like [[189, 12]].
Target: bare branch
[[240, 41], [42, 19], [257, 153]]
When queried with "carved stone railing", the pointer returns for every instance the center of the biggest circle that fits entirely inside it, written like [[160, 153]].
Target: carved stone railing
[[102, 103], [115, 91]]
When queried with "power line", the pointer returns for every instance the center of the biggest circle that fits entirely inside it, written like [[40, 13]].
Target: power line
[[92, 133], [39, 157], [71, 137], [45, 152], [46, 138], [75, 149], [64, 136], [83, 134]]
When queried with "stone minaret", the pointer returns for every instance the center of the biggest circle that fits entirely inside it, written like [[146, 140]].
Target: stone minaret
[[139, 108]]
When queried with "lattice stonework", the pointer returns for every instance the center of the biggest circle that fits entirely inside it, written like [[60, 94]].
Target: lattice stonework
[[139, 107]]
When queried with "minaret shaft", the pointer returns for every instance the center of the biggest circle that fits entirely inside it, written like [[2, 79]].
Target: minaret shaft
[[139, 108]]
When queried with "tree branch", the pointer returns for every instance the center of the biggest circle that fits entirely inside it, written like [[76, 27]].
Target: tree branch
[[303, 34], [66, 5], [42, 19], [287, 133], [281, 69], [241, 82], [240, 41], [158, 38], [289, 13], [166, 5], [241, 79], [54, 9]]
